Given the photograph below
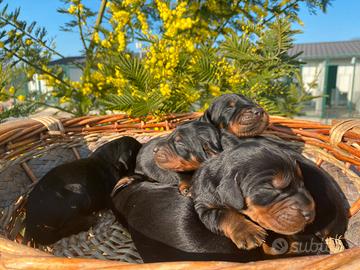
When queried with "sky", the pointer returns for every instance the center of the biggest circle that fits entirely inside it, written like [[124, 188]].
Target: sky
[[340, 22]]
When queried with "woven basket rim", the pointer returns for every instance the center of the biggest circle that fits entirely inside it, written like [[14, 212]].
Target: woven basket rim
[[337, 143]]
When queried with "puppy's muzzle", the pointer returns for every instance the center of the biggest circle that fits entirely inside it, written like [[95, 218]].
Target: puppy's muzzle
[[258, 112], [251, 115], [304, 203]]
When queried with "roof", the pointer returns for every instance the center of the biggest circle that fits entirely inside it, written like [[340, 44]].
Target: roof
[[69, 60], [323, 50]]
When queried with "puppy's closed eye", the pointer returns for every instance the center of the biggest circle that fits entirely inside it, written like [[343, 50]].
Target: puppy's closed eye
[[210, 150]]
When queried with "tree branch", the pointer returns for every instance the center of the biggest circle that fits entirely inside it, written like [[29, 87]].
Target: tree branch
[[38, 41], [97, 24], [37, 67], [82, 37], [265, 21]]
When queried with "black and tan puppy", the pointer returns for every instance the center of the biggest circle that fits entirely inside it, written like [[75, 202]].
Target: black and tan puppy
[[330, 207], [174, 158], [250, 188], [62, 202], [165, 227], [237, 114]]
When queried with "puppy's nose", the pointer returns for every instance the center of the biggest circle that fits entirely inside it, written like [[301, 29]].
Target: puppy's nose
[[308, 215], [258, 111]]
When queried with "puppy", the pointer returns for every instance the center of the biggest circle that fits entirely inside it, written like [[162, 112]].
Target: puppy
[[248, 189], [330, 208], [62, 202], [237, 114], [165, 227], [174, 158]]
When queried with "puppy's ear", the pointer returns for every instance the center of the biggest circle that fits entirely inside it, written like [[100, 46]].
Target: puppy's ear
[[125, 158], [230, 193], [207, 116]]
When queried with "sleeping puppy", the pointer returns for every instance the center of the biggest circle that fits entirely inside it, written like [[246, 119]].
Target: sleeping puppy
[[248, 189], [174, 158], [165, 227], [330, 208], [237, 114], [62, 202]]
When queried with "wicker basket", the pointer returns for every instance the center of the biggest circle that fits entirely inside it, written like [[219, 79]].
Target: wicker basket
[[29, 148]]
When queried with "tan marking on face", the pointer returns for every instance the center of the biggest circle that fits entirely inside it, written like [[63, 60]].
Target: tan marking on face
[[279, 217], [248, 130], [170, 161]]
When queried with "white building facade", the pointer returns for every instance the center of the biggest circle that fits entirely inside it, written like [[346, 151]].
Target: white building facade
[[72, 69], [331, 70]]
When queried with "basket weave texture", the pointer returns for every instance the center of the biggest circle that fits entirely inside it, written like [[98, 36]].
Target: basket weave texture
[[29, 148]]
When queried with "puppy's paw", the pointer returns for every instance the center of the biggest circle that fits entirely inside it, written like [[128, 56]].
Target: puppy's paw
[[248, 235], [244, 233], [184, 189], [123, 182]]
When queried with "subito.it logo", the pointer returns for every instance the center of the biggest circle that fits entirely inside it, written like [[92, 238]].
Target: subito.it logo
[[280, 246]]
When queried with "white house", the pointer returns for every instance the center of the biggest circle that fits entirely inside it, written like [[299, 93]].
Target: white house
[[71, 67], [331, 70]]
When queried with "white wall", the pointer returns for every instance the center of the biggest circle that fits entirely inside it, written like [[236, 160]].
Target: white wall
[[356, 89], [344, 78], [310, 74], [41, 85], [315, 71], [38, 85], [313, 74]]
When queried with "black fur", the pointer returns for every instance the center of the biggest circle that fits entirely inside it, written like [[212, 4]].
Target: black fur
[[331, 213], [230, 141], [165, 227], [62, 202]]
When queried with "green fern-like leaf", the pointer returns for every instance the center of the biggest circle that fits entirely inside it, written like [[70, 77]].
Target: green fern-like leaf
[[237, 48], [133, 70], [204, 69], [278, 39], [136, 106]]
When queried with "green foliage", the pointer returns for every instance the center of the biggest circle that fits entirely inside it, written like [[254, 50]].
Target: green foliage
[[192, 52]]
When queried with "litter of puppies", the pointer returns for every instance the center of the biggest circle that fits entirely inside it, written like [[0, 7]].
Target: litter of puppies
[[213, 189]]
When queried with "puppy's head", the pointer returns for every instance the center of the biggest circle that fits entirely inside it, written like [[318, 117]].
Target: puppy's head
[[187, 147], [120, 153], [238, 115], [269, 189]]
